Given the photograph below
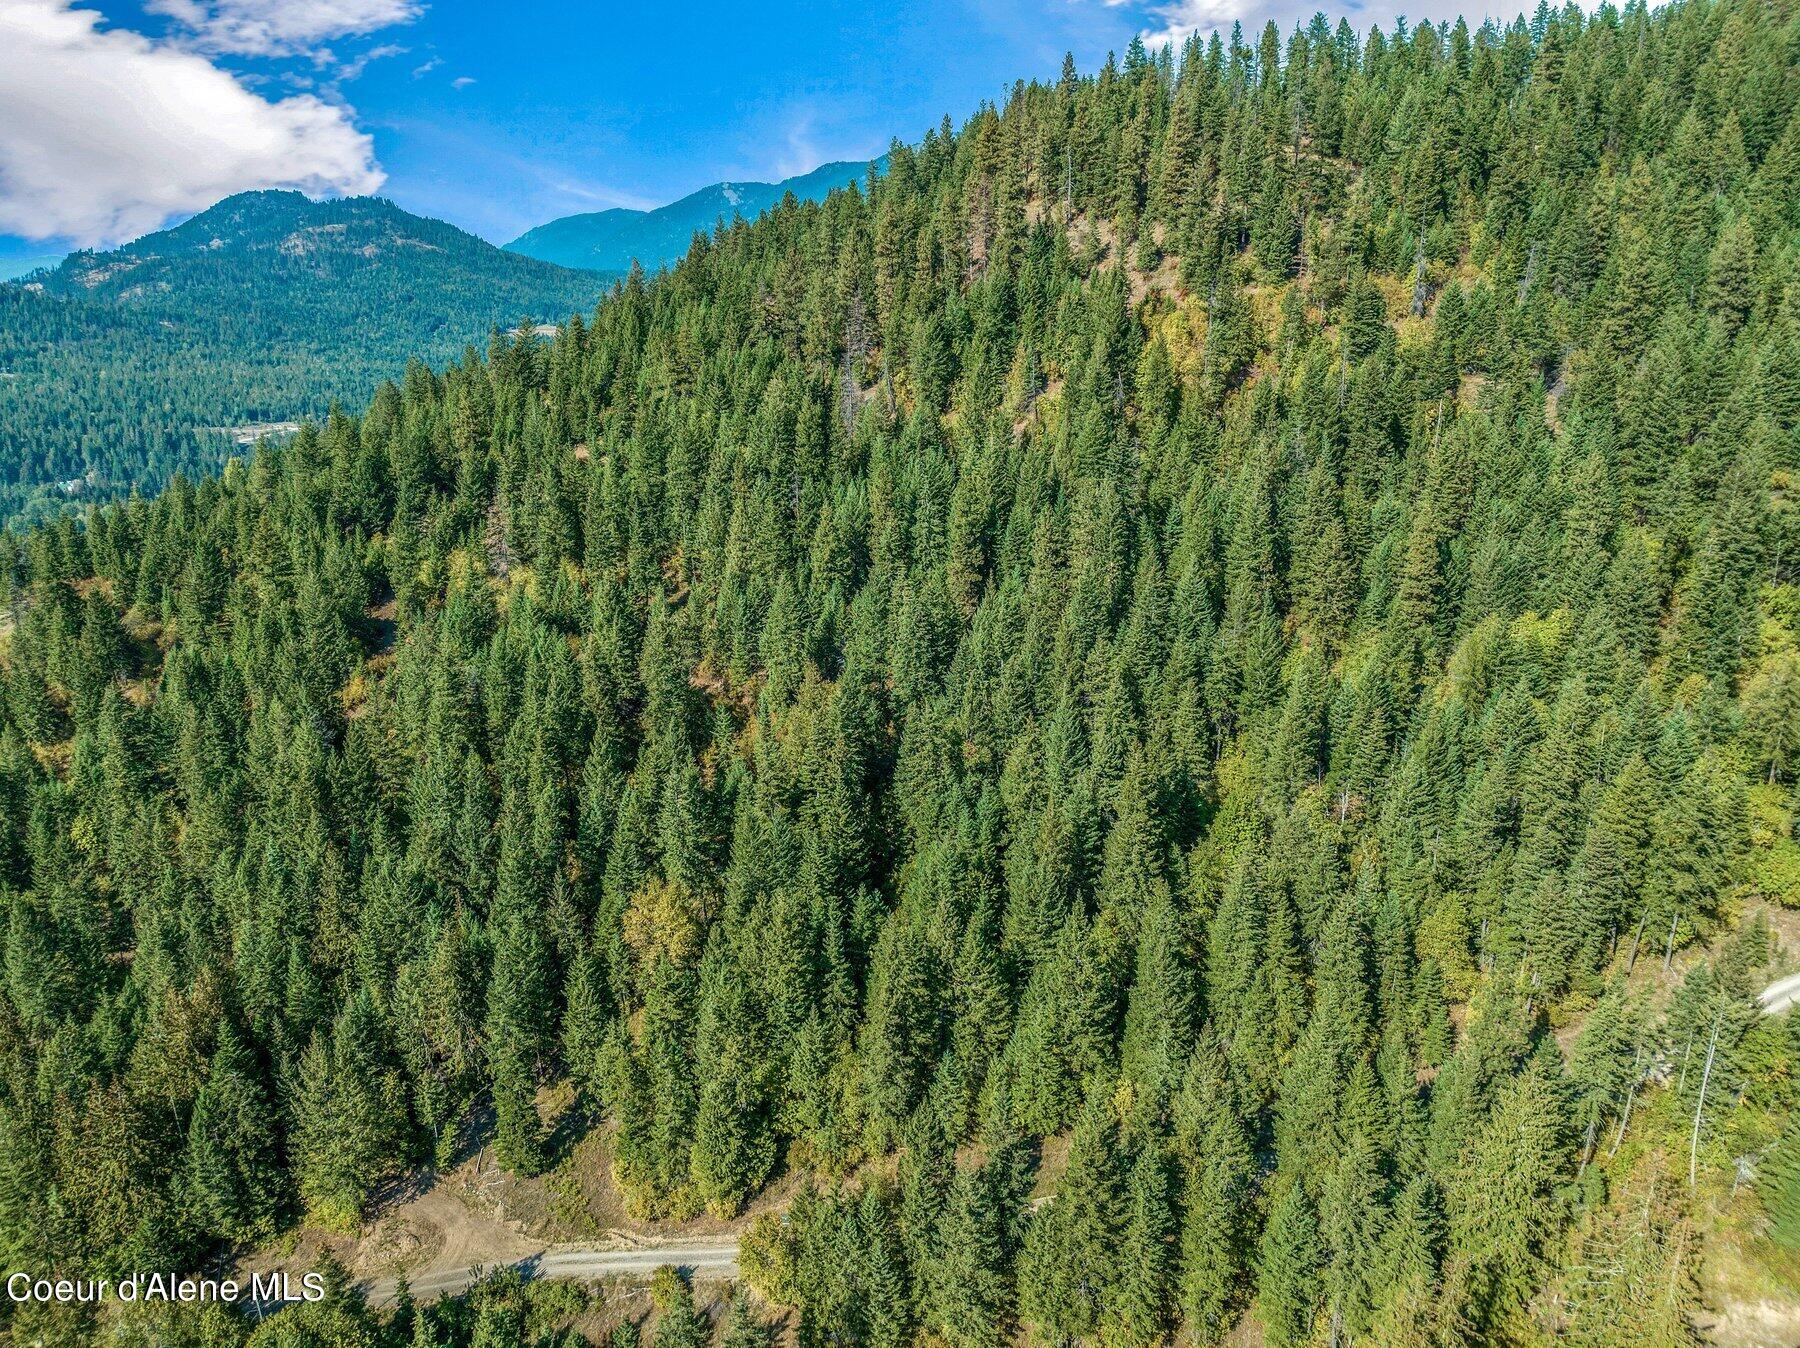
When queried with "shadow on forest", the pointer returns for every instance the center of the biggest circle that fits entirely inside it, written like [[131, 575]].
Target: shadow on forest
[[574, 1124], [472, 1133]]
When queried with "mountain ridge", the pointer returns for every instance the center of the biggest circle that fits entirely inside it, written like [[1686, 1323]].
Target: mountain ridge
[[326, 237], [610, 240]]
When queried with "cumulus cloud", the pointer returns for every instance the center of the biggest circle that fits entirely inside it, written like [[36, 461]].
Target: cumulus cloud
[[280, 27], [105, 134], [1181, 19]]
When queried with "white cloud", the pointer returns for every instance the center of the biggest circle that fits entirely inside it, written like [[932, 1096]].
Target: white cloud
[[1181, 19], [420, 71], [353, 69], [462, 81], [280, 27], [801, 154], [1173, 22], [805, 149], [105, 133]]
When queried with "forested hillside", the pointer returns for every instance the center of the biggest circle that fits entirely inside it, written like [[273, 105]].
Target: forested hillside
[[119, 369], [1183, 707]]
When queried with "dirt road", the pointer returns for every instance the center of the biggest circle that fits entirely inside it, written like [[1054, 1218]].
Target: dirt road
[[705, 1258], [1780, 995]]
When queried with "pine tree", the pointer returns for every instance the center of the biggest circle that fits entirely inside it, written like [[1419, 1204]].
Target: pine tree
[[1778, 1184], [1142, 1297], [236, 1184], [1503, 1210], [969, 1292], [1216, 1231], [1069, 1273], [678, 1323], [1287, 1273], [744, 1328], [1634, 1277]]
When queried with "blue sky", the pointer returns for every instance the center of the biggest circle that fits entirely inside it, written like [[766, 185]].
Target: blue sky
[[117, 117]]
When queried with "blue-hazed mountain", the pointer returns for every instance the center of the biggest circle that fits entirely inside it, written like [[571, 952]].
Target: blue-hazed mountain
[[611, 240], [119, 368]]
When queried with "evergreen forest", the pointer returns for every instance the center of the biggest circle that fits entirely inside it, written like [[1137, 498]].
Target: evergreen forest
[[1182, 713]]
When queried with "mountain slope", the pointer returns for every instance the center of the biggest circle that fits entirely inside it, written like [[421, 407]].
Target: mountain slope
[[1187, 716], [611, 240], [265, 308]]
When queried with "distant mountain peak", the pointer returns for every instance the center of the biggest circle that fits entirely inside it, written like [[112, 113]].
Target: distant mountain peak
[[274, 232], [611, 240]]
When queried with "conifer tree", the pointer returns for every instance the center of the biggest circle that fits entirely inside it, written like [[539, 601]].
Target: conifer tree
[[1287, 1273], [1778, 1185]]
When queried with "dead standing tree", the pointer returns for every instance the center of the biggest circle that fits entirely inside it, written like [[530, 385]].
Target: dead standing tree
[[856, 351]]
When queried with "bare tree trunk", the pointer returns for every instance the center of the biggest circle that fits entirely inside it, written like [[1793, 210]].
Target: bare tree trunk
[[1637, 1066], [1699, 1108], [1669, 945], [1631, 963], [856, 351], [1530, 275]]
